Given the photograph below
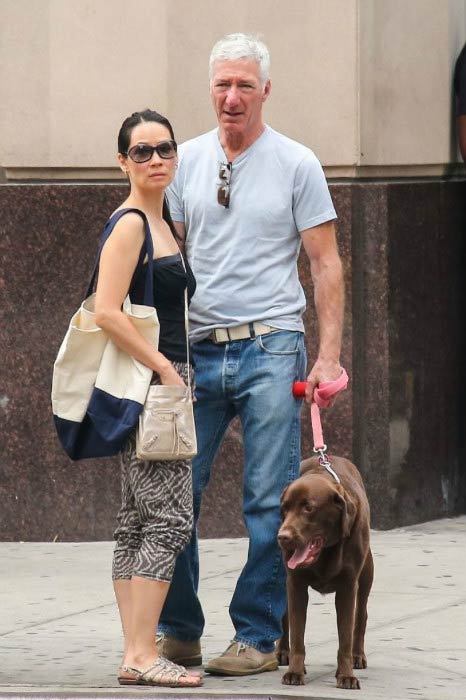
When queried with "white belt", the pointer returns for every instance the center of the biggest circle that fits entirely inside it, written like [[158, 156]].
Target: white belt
[[246, 330]]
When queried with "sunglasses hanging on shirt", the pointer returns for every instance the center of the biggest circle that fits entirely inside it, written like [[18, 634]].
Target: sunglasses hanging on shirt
[[223, 192]]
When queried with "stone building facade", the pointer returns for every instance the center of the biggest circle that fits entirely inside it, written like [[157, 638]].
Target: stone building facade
[[367, 84]]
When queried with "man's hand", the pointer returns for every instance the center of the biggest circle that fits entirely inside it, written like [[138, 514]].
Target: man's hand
[[323, 371]]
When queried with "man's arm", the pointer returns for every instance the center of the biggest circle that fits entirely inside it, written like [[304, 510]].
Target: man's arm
[[327, 274], [181, 231], [461, 129], [459, 86]]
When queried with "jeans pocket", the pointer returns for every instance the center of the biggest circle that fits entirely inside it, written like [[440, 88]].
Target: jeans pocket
[[280, 343]]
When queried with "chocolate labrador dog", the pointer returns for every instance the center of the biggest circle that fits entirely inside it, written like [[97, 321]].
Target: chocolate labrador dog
[[324, 537]]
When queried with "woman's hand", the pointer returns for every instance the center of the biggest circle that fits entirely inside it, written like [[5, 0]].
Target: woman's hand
[[169, 375]]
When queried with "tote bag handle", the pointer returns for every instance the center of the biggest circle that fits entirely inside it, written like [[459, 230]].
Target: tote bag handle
[[147, 248]]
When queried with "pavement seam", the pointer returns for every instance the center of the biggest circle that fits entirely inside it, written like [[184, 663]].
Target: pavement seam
[[429, 611], [389, 623], [56, 619], [99, 607], [381, 626]]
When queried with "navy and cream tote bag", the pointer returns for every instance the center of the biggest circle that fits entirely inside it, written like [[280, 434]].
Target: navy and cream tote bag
[[98, 391]]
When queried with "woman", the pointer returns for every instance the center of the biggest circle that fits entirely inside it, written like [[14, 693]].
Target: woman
[[155, 519]]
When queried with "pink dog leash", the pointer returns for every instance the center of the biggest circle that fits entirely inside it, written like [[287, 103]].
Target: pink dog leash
[[321, 399]]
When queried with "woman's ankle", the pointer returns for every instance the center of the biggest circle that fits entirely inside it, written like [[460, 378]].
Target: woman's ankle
[[140, 658]]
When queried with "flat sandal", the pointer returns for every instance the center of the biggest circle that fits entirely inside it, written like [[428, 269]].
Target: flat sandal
[[162, 673]]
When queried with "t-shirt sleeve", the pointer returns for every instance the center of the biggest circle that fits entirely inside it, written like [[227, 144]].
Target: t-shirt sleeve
[[312, 203], [460, 83], [175, 201]]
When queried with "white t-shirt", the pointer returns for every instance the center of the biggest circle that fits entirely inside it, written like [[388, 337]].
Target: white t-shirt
[[244, 258]]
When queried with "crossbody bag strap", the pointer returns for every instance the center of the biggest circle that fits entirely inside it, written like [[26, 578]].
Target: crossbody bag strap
[[186, 324]]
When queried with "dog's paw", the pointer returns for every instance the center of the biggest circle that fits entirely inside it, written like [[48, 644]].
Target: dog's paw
[[348, 682], [290, 678], [283, 657], [359, 661]]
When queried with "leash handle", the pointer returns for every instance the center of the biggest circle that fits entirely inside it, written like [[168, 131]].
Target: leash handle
[[324, 391], [321, 399]]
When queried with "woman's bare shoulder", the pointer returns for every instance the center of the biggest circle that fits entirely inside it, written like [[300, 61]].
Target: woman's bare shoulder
[[130, 225]]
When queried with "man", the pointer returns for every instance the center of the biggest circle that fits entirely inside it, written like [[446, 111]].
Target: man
[[459, 83], [244, 199]]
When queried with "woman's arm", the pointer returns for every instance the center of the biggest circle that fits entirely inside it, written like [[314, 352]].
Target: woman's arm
[[118, 261]]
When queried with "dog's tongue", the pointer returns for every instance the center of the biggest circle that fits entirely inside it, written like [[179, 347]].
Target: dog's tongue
[[304, 554]]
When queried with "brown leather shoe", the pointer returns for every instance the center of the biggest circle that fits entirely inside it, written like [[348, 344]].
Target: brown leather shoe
[[184, 653], [242, 660]]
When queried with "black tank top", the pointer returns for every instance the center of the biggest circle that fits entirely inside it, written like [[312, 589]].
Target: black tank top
[[170, 281]]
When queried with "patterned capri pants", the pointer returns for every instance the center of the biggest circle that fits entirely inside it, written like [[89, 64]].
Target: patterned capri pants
[[156, 516]]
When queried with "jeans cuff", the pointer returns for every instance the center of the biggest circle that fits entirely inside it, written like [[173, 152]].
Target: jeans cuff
[[169, 633], [255, 645]]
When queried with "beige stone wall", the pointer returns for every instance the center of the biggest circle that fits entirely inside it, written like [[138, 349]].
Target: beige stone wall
[[313, 67], [71, 71], [407, 56], [365, 83]]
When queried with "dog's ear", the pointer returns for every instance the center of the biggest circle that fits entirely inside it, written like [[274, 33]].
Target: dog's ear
[[283, 493], [282, 498], [348, 511]]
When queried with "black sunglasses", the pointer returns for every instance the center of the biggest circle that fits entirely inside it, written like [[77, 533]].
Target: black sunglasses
[[142, 152], [223, 192]]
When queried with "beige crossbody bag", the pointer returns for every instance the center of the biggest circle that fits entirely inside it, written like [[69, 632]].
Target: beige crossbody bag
[[166, 429]]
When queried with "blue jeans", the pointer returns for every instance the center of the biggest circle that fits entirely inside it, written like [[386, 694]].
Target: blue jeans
[[251, 379]]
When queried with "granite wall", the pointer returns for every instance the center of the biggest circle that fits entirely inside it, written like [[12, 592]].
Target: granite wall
[[402, 419]]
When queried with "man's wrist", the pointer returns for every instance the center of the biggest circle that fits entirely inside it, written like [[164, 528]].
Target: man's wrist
[[328, 361]]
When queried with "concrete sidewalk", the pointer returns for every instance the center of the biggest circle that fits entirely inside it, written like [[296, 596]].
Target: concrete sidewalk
[[60, 634]]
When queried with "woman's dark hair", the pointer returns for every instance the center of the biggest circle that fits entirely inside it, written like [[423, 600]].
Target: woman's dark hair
[[147, 115], [124, 139]]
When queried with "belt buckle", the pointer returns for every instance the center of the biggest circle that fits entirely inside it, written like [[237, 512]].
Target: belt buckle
[[252, 334], [213, 336]]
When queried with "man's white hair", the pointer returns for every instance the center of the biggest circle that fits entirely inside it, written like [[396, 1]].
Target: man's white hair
[[236, 46]]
